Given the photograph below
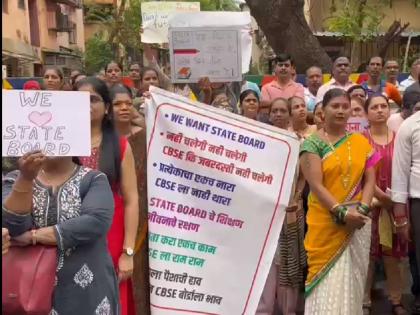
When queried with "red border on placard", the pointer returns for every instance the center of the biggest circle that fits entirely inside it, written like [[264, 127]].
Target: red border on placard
[[275, 209]]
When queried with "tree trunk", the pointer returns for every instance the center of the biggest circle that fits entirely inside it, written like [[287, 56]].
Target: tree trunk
[[283, 23], [393, 32]]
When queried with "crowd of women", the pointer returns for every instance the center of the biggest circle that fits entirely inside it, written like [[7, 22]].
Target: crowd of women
[[340, 223]]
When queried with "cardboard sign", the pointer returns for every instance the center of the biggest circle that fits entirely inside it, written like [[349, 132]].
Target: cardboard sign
[[240, 20], [55, 122], [155, 18], [218, 185], [205, 52]]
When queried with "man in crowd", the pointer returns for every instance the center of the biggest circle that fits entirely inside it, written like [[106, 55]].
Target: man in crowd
[[406, 188], [313, 83], [392, 69], [283, 85], [375, 84], [414, 74], [415, 86], [340, 78]]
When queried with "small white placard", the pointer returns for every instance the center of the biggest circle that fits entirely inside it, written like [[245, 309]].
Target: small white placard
[[213, 52]]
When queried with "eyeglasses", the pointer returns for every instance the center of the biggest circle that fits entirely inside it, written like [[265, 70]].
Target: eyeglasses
[[95, 99]]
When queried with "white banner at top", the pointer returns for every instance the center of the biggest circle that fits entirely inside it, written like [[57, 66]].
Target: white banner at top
[[155, 18]]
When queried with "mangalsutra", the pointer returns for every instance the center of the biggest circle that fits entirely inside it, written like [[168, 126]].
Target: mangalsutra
[[345, 178]]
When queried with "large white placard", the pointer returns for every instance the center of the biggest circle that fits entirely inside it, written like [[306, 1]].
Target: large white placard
[[55, 122], [198, 52], [219, 19], [155, 18], [218, 185]]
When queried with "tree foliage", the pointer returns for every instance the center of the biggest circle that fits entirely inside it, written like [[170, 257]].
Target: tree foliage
[[357, 19], [121, 24], [98, 52]]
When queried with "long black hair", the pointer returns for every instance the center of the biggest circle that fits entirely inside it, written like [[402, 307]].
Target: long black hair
[[110, 156]]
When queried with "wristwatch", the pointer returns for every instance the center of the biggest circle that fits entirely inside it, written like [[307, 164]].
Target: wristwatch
[[128, 251]]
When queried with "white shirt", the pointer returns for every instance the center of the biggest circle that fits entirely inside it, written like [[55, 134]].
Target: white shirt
[[406, 161], [406, 83], [331, 85]]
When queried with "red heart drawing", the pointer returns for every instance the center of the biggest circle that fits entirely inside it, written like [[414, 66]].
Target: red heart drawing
[[40, 119]]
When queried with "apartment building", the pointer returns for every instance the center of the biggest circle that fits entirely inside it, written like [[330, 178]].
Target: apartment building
[[41, 32]]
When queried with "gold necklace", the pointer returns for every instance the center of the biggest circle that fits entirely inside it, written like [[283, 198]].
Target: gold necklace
[[345, 178]]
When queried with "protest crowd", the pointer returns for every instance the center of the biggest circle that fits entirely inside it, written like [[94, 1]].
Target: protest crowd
[[354, 207]]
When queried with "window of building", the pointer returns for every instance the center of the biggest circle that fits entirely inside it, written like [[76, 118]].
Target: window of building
[[5, 6], [21, 4]]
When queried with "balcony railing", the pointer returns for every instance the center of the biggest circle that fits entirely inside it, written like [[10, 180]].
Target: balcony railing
[[59, 22]]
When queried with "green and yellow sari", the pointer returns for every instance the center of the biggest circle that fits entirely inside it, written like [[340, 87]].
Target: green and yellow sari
[[337, 257]]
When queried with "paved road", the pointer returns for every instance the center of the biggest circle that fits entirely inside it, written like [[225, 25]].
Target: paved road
[[381, 305]]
